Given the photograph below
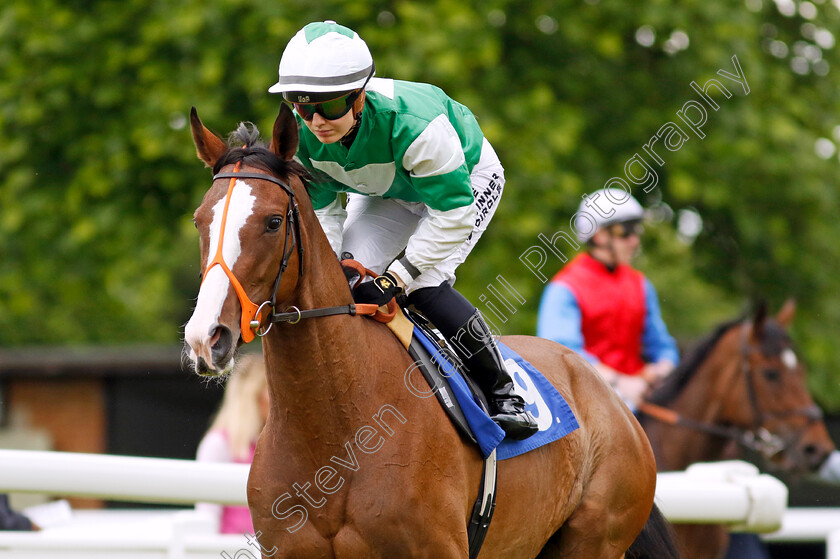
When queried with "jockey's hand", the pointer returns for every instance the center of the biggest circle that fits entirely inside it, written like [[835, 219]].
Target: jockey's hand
[[379, 291], [631, 388], [655, 373]]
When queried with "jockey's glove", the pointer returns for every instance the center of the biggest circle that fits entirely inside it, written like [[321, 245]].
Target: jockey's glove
[[378, 291]]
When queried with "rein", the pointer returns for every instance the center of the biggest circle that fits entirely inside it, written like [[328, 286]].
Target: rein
[[252, 319], [759, 440], [756, 438], [367, 309], [352, 309]]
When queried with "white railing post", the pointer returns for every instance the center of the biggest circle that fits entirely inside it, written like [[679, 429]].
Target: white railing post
[[832, 545], [732, 493]]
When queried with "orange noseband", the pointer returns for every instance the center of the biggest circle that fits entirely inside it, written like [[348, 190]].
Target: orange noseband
[[248, 325]]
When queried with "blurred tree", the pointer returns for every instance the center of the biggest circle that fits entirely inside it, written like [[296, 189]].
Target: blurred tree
[[99, 175]]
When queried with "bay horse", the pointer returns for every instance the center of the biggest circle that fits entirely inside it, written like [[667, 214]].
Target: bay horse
[[351, 464], [743, 388]]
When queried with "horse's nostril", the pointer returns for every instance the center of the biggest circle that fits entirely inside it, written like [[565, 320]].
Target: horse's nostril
[[815, 455], [221, 343], [217, 333]]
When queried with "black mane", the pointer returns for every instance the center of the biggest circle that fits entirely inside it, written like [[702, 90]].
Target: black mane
[[677, 380], [773, 340], [251, 150]]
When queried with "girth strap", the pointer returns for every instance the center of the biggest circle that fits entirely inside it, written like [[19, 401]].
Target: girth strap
[[484, 506]]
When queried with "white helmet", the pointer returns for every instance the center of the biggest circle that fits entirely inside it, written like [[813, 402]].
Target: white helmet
[[323, 57], [605, 207]]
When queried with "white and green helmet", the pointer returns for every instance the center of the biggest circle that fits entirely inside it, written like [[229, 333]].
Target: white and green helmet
[[323, 57]]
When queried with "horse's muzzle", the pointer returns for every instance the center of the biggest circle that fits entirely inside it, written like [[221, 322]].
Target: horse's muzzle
[[220, 354]]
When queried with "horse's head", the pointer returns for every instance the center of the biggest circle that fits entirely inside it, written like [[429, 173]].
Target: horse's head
[[251, 249], [768, 396]]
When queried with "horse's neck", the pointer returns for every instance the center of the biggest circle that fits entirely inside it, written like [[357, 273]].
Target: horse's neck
[[701, 401], [322, 370]]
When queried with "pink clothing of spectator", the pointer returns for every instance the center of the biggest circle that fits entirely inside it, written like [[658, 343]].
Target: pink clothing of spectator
[[215, 447], [233, 435]]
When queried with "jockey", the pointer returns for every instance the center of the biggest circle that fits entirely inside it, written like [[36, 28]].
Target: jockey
[[421, 180], [604, 309]]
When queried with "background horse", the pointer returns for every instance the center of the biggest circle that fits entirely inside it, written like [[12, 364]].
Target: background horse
[[352, 464], [742, 387]]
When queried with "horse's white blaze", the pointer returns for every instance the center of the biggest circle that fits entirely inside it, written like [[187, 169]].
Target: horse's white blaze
[[215, 287], [789, 358]]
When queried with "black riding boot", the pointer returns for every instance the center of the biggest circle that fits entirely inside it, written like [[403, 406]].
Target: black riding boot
[[462, 326], [476, 346]]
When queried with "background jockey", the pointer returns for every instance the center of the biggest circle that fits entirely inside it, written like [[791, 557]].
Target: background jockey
[[601, 307], [421, 180]]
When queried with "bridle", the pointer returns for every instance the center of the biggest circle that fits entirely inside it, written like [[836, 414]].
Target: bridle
[[765, 442], [252, 320], [251, 317], [757, 437]]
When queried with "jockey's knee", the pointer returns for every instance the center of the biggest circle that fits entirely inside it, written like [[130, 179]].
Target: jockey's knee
[[447, 309]]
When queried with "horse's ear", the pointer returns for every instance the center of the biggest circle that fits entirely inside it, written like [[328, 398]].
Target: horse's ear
[[284, 136], [208, 146], [759, 318], [785, 316]]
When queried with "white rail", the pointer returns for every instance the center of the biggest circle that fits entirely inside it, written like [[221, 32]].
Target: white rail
[[714, 493], [732, 493], [123, 478], [803, 524], [122, 534]]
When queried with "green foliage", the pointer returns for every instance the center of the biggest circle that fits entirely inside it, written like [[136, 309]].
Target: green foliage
[[99, 176]]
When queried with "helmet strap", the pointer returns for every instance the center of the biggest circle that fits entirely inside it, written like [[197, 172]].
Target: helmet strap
[[609, 248], [347, 139]]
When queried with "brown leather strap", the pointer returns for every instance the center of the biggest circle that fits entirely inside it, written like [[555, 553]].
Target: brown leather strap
[[662, 414]]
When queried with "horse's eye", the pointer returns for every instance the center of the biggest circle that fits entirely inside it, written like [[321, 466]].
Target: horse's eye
[[772, 374], [273, 224], [195, 224]]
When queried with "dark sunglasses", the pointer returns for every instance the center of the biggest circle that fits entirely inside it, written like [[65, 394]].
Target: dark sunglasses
[[331, 110], [626, 229]]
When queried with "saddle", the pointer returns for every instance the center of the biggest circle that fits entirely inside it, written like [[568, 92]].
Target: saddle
[[426, 346], [438, 364], [466, 405]]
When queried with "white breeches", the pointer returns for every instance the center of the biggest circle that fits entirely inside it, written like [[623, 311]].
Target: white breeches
[[377, 230]]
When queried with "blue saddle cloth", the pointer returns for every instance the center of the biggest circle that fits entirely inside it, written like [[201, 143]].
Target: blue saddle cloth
[[554, 416]]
